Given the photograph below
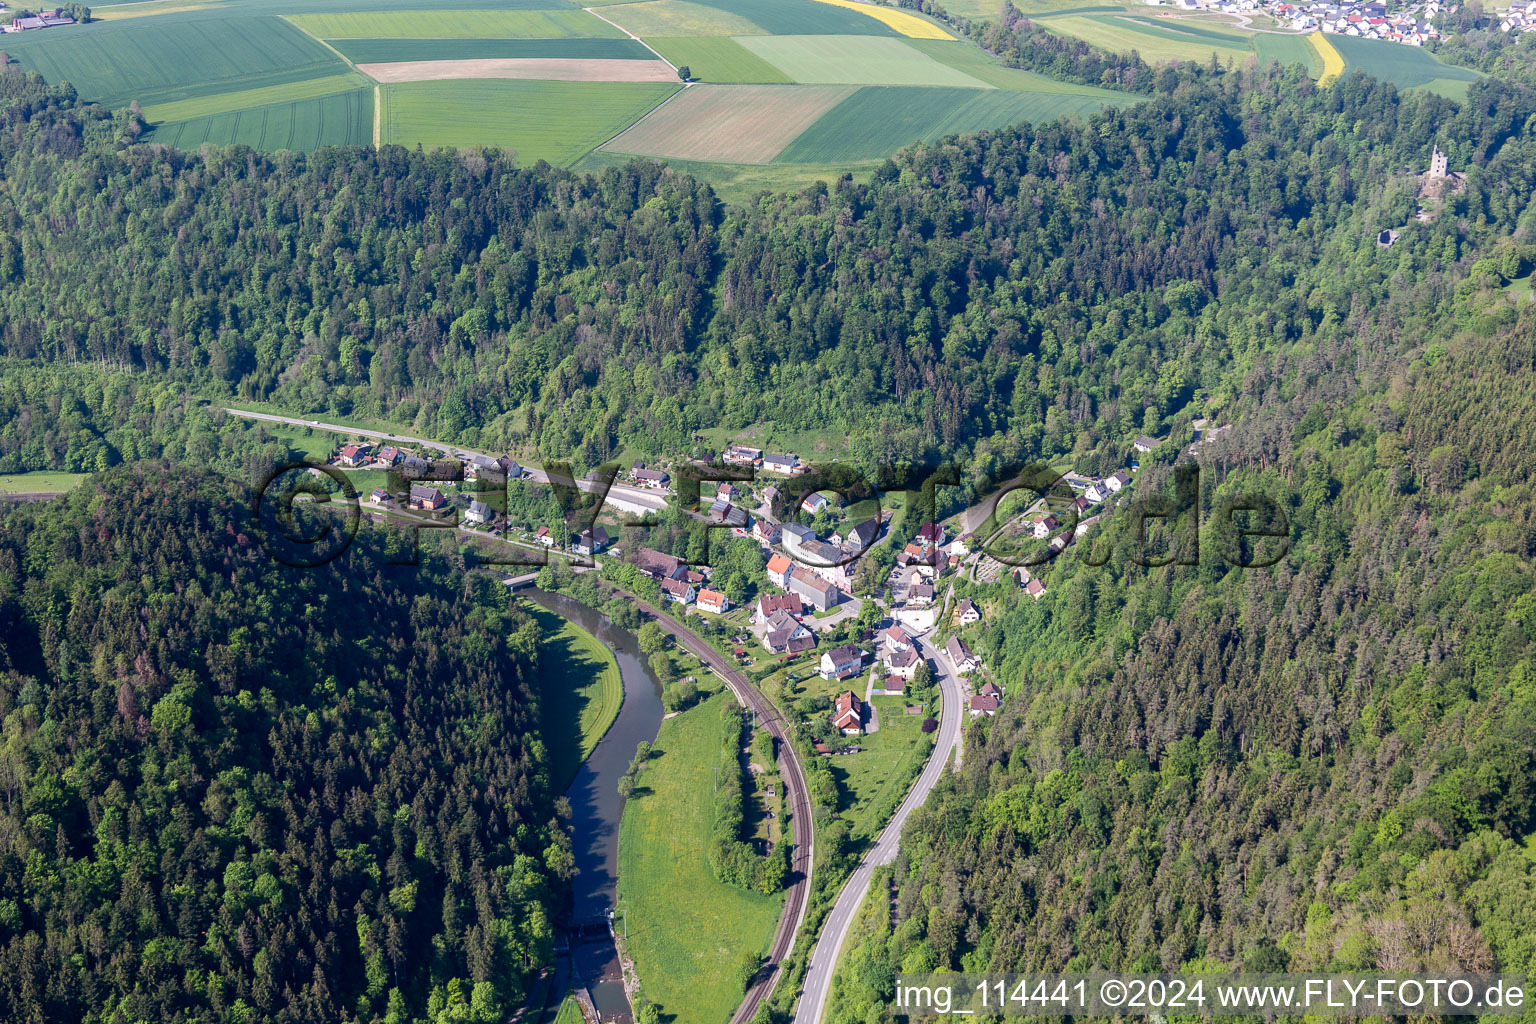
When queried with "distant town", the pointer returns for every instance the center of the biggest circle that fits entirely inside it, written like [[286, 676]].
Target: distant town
[[1410, 24]]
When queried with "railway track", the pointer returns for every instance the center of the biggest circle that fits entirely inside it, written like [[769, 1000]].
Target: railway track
[[796, 896]]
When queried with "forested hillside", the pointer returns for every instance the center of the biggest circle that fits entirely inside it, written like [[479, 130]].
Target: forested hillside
[[1323, 765], [1062, 284], [238, 791]]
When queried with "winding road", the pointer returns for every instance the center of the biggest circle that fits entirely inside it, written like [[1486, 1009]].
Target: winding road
[[834, 930]]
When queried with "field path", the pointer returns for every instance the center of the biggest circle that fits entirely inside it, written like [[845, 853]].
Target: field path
[[378, 101], [642, 42]]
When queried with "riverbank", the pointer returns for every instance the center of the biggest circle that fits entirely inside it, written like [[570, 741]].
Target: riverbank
[[582, 692]]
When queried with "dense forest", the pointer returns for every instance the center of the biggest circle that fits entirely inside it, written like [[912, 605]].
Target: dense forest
[[237, 791]]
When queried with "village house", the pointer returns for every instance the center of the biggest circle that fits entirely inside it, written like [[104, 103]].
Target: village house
[[591, 541], [815, 591], [981, 705], [379, 496], [797, 538], [656, 479], [678, 591], [1145, 444], [389, 455], [841, 662], [771, 494], [479, 512], [813, 503], [991, 689], [543, 536], [1035, 589], [355, 454], [1117, 481], [903, 664], [766, 531], [960, 657], [482, 467], [712, 601], [1096, 492], [966, 612], [779, 567], [414, 467], [428, 498], [848, 714], [742, 455], [658, 565], [895, 639], [1045, 525], [858, 537], [920, 595], [931, 535], [769, 605], [783, 464], [787, 636], [891, 686], [727, 490]]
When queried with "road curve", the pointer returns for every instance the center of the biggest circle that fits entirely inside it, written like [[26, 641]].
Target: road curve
[[834, 930], [632, 495], [795, 897]]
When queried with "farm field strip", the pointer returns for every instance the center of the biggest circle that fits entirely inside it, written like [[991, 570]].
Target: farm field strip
[[728, 123], [243, 99], [717, 59], [801, 17], [680, 18], [909, 25], [855, 60], [977, 63], [1120, 35], [1406, 67], [540, 120], [383, 51], [534, 69], [160, 60], [1290, 50], [454, 24], [342, 119], [879, 120]]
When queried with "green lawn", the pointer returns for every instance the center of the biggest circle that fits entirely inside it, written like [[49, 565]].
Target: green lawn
[[875, 779], [717, 59], [687, 931], [554, 121], [42, 482], [581, 693]]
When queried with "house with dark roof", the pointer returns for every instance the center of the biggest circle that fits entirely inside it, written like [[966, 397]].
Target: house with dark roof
[[424, 497], [656, 479], [1035, 589], [479, 512], [903, 664], [766, 530], [860, 536], [841, 662], [966, 612], [591, 541], [817, 592], [1145, 443], [920, 595], [786, 636], [960, 657], [678, 591], [769, 605], [848, 713], [776, 463], [983, 705], [658, 565], [1116, 481]]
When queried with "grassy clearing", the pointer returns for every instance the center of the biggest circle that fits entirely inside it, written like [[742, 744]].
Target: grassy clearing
[[681, 18], [801, 17], [373, 51], [159, 60], [1120, 34], [41, 482], [581, 693], [454, 24], [874, 780], [717, 59], [687, 931], [1404, 66], [343, 119], [570, 1012], [877, 121], [219, 103], [855, 60], [905, 24], [739, 183], [735, 123], [1289, 50], [554, 121]]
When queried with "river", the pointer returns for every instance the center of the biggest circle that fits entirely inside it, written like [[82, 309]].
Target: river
[[594, 797]]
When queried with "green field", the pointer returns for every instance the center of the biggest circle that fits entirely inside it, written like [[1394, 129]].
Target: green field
[[41, 482], [717, 59], [581, 693], [554, 121], [979, 64], [453, 24], [687, 931], [245, 99], [855, 60], [1407, 67], [1288, 50], [873, 781], [1121, 33], [802, 17], [380, 51], [876, 121], [343, 119], [158, 60], [681, 18]]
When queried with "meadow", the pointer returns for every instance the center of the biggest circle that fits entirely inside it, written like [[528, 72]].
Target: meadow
[[1407, 67], [717, 59], [341, 119], [41, 482], [687, 930], [1123, 33], [873, 781], [855, 60], [451, 24], [372, 51], [244, 99], [1289, 50], [554, 121], [876, 121], [681, 18], [581, 693]]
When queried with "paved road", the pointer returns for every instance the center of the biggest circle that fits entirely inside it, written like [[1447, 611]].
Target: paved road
[[630, 495], [834, 931]]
